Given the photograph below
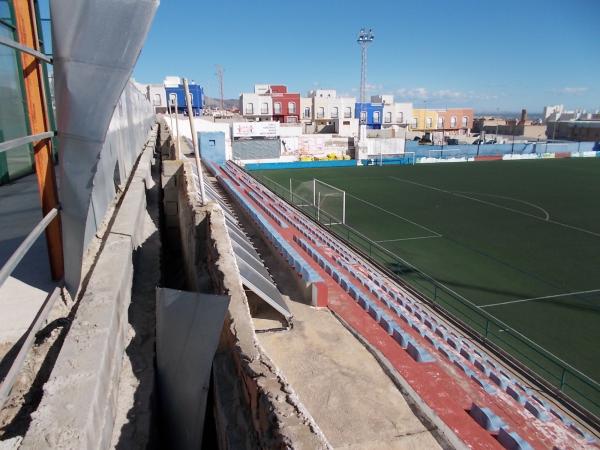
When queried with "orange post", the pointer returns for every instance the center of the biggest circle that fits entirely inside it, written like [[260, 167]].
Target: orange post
[[33, 76]]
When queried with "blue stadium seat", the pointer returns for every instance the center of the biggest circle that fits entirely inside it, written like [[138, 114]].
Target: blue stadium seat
[[512, 441], [486, 418], [418, 353], [510, 390], [537, 410], [487, 387]]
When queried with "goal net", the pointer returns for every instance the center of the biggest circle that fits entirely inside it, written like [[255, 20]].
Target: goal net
[[446, 153], [406, 158], [326, 202]]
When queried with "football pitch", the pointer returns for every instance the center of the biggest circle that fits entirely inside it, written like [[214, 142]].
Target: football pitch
[[518, 240]]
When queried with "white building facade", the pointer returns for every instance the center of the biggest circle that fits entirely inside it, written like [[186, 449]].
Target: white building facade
[[256, 106]]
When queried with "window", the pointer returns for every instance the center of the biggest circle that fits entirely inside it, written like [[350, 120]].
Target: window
[[212, 142], [347, 112], [156, 101], [429, 122], [291, 107], [376, 117], [465, 122], [400, 117], [453, 122], [334, 112], [291, 119], [388, 117], [321, 112], [415, 123], [249, 108], [440, 122], [307, 112], [264, 108], [276, 108], [363, 117], [173, 99]]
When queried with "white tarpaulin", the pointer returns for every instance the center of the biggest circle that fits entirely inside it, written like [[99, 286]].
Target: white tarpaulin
[[96, 44]]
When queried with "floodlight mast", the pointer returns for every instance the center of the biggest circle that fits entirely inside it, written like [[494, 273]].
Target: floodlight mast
[[364, 39]]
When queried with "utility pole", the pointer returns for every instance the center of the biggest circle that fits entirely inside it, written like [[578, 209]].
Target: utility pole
[[188, 101], [364, 39], [220, 79]]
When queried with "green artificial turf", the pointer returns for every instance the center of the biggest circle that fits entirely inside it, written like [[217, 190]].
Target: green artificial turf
[[489, 233]]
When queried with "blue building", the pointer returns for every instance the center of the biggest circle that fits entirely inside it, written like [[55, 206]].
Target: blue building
[[369, 113], [196, 92]]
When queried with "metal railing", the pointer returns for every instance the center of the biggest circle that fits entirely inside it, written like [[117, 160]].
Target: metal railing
[[23, 248], [555, 374], [22, 48], [17, 142]]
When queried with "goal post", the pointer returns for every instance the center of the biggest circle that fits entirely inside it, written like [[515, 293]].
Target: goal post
[[323, 198], [330, 200], [447, 153]]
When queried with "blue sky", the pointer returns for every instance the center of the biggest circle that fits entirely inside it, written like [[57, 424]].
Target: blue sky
[[488, 55]]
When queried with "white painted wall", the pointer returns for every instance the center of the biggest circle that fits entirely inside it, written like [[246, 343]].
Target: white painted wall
[[346, 127]]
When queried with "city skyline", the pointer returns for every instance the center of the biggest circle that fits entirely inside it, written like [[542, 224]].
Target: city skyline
[[465, 54]]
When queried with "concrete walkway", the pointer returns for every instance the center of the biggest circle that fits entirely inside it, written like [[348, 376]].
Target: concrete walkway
[[343, 387], [25, 291]]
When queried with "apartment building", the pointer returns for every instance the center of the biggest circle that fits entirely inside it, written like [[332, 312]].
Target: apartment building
[[286, 105], [256, 106], [327, 107], [451, 121], [394, 114], [271, 102]]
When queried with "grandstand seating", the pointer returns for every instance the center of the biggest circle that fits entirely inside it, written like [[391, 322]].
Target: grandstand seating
[[394, 309]]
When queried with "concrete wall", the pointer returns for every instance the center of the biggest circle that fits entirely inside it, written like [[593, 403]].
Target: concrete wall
[[79, 404], [254, 406]]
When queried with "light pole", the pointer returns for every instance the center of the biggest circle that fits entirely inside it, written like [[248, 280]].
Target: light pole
[[364, 39], [497, 113]]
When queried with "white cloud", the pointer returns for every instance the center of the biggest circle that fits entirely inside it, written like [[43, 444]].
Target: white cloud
[[422, 93], [572, 90]]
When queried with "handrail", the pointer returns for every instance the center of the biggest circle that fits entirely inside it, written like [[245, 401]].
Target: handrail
[[20, 252], [566, 379], [17, 142], [23, 48], [17, 365]]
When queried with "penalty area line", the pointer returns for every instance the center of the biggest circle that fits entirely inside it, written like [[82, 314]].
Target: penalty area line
[[546, 297], [410, 238]]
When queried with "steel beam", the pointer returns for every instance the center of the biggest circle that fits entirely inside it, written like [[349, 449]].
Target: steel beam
[[33, 78]]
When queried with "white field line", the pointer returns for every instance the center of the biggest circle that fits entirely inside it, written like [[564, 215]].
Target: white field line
[[409, 239], [546, 297], [533, 205], [565, 225], [395, 215]]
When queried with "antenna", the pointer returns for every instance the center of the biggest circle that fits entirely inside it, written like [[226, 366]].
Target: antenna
[[220, 79]]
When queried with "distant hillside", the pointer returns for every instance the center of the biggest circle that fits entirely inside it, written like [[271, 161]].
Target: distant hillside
[[211, 102]]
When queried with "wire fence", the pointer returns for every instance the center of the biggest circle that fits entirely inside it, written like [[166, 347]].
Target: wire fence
[[558, 374]]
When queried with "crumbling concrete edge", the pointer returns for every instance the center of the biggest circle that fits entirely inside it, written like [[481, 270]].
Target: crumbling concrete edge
[[78, 405], [445, 436], [271, 382]]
